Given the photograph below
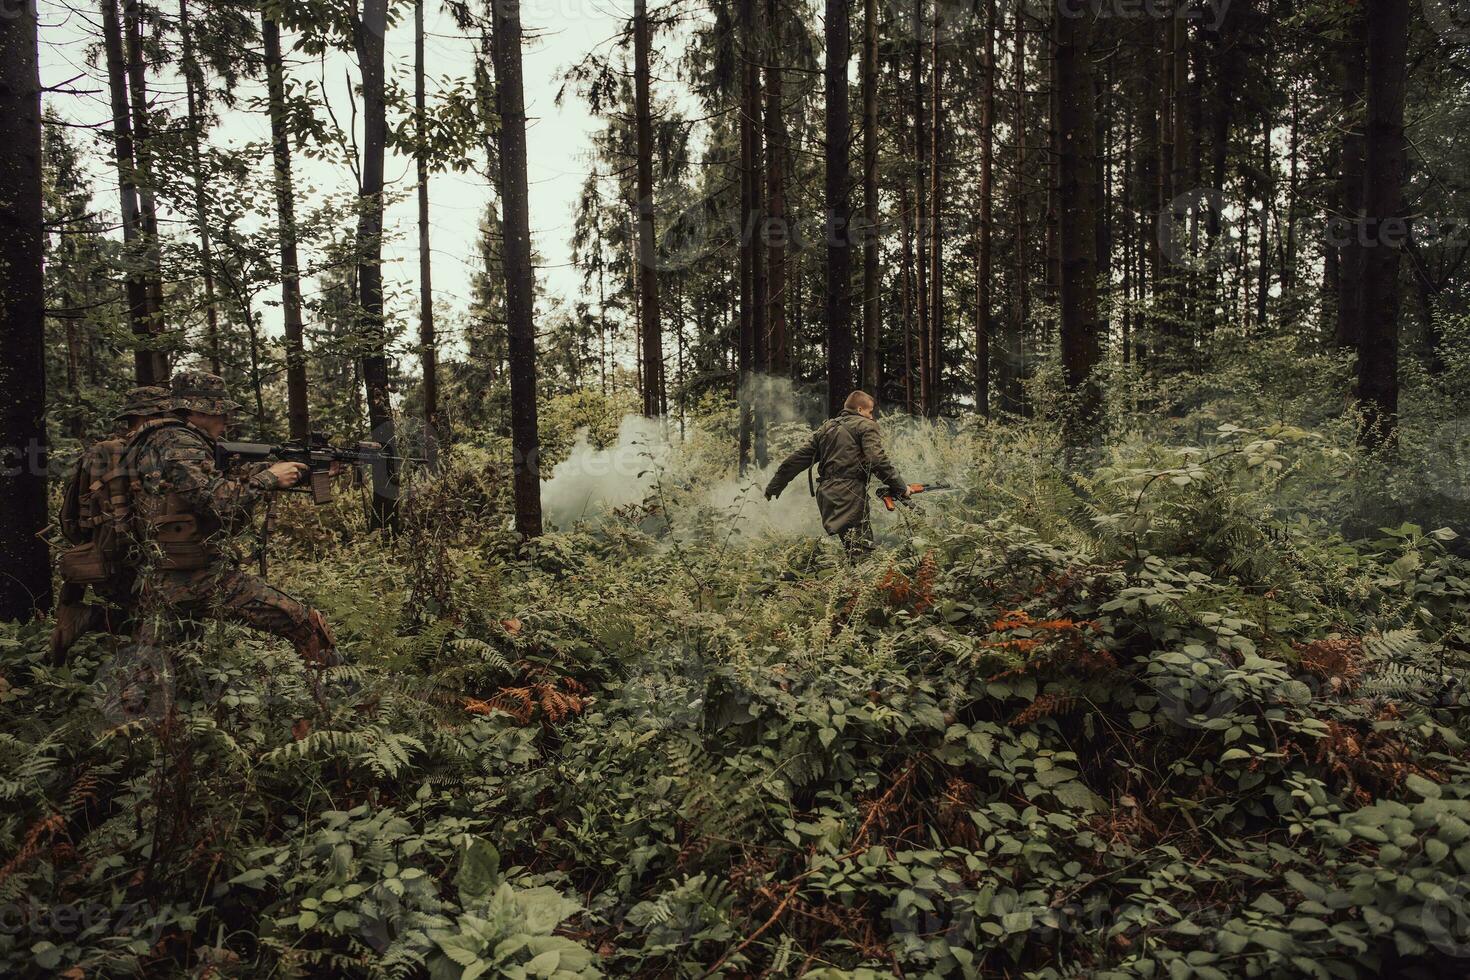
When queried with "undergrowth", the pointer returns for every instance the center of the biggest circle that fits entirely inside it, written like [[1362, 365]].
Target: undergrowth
[[1148, 713]]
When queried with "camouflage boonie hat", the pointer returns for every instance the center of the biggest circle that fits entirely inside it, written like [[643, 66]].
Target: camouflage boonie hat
[[148, 400], [200, 391]]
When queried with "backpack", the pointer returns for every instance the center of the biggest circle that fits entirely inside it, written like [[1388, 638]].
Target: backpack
[[97, 510]]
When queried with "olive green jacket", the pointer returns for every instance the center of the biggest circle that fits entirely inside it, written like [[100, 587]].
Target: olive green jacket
[[847, 451]]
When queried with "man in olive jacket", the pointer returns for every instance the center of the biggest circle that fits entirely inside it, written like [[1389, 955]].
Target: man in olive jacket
[[848, 450]]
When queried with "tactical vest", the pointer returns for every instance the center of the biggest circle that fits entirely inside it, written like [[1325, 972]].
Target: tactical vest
[[98, 516], [171, 535]]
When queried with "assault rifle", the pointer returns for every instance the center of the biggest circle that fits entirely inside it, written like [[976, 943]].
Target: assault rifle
[[318, 455], [886, 495]]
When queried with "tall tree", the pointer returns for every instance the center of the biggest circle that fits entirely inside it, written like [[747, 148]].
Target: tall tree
[[194, 92], [428, 342], [150, 366], [1021, 306], [872, 286], [778, 237], [921, 209], [1077, 202], [838, 129], [369, 29], [983, 245], [1351, 67], [519, 278], [648, 300], [935, 358], [1384, 164], [134, 15], [25, 564], [298, 412]]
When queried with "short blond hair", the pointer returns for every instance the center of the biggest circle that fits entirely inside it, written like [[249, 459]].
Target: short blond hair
[[858, 401]]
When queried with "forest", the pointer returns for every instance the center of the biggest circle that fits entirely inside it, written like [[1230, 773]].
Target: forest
[[1163, 302]]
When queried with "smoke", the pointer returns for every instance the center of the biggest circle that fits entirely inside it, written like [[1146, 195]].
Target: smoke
[[694, 476], [590, 482]]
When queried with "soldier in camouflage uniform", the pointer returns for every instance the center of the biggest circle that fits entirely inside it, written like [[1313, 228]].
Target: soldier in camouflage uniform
[[185, 508], [848, 451], [74, 617]]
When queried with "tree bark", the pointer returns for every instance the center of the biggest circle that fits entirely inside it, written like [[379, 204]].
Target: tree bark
[[983, 256], [745, 246], [1384, 165], [148, 363], [779, 233], [839, 214], [370, 29], [25, 562], [871, 283], [1012, 356], [519, 277], [194, 96], [133, 13], [650, 327], [298, 411], [921, 214], [936, 212], [1076, 196], [1352, 65], [428, 341]]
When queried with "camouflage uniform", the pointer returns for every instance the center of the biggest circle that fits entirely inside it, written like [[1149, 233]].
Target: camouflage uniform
[[848, 450], [74, 616], [184, 510]]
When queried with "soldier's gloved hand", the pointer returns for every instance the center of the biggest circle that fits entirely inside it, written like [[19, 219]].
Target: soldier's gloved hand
[[289, 474], [772, 494]]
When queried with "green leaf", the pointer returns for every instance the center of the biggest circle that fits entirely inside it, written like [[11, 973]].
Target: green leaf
[[479, 870]]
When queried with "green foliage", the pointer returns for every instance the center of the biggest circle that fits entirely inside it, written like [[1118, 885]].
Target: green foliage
[[1149, 716]]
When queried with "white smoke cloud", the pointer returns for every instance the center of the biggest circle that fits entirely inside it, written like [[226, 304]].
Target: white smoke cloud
[[694, 476], [590, 482]]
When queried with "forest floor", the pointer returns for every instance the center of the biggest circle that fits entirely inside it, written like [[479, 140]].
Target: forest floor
[[1151, 716]]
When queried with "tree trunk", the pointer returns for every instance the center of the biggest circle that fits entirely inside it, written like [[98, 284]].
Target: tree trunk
[[519, 277], [983, 256], [839, 241], [194, 95], [133, 13], [745, 247], [936, 211], [1076, 196], [1012, 356], [651, 329], [1268, 199], [370, 30], [25, 585], [921, 214], [428, 342], [753, 221], [872, 285], [1384, 165], [1149, 176], [778, 235], [298, 412], [1350, 225], [148, 363], [910, 298]]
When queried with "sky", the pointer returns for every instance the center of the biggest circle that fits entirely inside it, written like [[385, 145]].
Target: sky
[[559, 34]]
